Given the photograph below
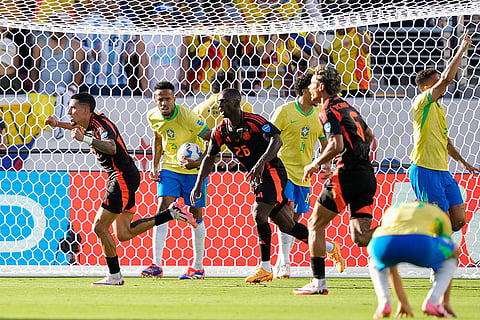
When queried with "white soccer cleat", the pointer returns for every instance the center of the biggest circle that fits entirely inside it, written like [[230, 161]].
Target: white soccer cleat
[[179, 213], [312, 288], [282, 271], [110, 281]]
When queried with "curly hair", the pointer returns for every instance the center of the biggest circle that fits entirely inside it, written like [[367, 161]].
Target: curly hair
[[330, 78], [423, 76], [302, 83]]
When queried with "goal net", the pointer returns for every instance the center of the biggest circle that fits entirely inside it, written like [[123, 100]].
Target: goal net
[[51, 186]]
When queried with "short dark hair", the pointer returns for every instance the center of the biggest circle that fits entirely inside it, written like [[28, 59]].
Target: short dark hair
[[223, 80], [165, 85], [424, 76], [302, 83], [85, 98], [233, 94]]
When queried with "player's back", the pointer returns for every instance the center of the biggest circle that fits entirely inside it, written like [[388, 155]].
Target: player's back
[[353, 129], [414, 218]]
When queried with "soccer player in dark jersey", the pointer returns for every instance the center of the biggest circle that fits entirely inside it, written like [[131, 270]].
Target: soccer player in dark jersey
[[255, 143], [353, 183], [118, 204]]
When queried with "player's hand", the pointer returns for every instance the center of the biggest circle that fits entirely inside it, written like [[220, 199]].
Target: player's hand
[[154, 175], [308, 170], [51, 121], [195, 194], [189, 164], [466, 43], [471, 169], [449, 309], [255, 175], [327, 171], [404, 309], [77, 134]]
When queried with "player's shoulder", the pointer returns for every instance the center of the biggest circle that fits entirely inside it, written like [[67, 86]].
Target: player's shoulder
[[422, 99]]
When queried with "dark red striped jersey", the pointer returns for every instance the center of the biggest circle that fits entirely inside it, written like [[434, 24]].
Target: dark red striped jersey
[[248, 141], [101, 127], [339, 117]]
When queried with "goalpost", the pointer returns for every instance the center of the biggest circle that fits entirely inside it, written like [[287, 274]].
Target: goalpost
[[51, 186]]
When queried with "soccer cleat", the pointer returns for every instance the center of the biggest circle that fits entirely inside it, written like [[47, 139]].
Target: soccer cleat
[[259, 276], [383, 311], [336, 256], [283, 271], [109, 281], [181, 214], [435, 310], [153, 271], [193, 274], [312, 288]]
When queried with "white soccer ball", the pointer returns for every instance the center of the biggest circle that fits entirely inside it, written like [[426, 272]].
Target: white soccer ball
[[189, 150]]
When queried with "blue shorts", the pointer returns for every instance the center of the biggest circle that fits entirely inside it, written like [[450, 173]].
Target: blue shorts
[[180, 185], [418, 249], [435, 187], [298, 195]]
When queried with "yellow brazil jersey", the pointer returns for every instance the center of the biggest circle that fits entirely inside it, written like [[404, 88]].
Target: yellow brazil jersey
[[430, 133], [184, 126], [414, 218], [299, 133], [209, 111], [350, 61]]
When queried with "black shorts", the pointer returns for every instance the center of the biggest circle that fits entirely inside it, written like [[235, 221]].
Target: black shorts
[[355, 187], [120, 195], [272, 189]]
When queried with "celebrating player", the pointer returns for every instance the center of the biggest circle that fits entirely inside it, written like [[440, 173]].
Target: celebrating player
[[417, 233], [300, 129], [428, 173], [255, 142], [118, 204], [353, 183], [173, 125]]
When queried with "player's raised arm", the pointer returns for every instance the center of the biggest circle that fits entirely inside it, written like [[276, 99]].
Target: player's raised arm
[[448, 75]]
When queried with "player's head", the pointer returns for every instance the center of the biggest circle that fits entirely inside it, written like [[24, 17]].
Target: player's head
[[425, 79], [229, 102], [223, 80], [326, 82], [80, 109], [302, 83], [164, 95]]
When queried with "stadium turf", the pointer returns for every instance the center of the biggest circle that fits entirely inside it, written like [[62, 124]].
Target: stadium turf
[[211, 298]]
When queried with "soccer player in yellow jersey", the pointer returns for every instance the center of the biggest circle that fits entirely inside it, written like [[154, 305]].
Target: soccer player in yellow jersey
[[350, 53], [174, 125], [417, 233], [300, 130], [429, 174]]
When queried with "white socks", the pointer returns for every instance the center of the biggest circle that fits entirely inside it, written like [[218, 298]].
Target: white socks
[[266, 266], [329, 246], [380, 283], [159, 236], [285, 246], [443, 276], [198, 245]]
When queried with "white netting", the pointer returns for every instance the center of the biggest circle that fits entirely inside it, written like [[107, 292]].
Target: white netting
[[54, 185]]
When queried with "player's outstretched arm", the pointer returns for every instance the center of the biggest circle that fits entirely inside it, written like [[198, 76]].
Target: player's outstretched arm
[[205, 169], [52, 122], [404, 308], [450, 71], [453, 152]]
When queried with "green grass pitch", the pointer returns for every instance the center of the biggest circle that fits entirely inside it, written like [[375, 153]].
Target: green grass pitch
[[210, 298]]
